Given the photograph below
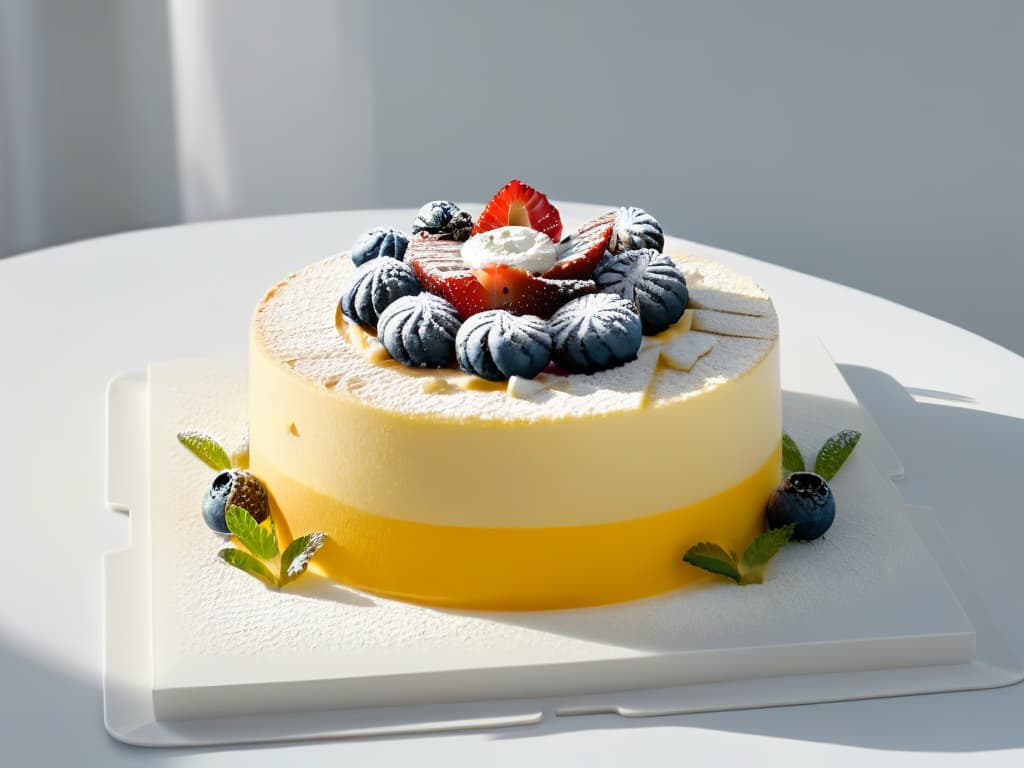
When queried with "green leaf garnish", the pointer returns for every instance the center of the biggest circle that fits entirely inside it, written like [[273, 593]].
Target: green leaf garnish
[[749, 569], [835, 452], [246, 562], [297, 555], [762, 550], [205, 447], [259, 539], [792, 459], [713, 558]]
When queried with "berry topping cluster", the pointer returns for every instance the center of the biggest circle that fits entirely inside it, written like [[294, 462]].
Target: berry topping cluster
[[507, 295]]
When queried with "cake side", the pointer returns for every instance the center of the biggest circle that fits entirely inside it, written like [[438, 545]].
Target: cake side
[[564, 462]]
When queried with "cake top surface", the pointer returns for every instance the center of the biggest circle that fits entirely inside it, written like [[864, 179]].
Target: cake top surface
[[730, 326]]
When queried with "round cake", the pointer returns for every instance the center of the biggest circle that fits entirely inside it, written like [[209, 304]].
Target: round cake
[[561, 491], [487, 415]]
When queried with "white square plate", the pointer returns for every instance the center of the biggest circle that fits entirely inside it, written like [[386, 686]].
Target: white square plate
[[198, 653]]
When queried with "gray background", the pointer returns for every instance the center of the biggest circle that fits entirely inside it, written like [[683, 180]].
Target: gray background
[[877, 144]]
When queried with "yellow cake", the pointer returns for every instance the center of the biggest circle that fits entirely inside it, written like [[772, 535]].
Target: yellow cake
[[555, 492]]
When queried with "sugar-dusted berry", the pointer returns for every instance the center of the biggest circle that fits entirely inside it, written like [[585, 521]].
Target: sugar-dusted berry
[[234, 487], [595, 332], [420, 330], [374, 286], [650, 280], [378, 242], [497, 345], [443, 218], [635, 228]]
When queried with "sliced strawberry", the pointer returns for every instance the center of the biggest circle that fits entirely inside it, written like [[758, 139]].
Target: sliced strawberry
[[580, 252], [439, 267], [520, 205], [521, 293]]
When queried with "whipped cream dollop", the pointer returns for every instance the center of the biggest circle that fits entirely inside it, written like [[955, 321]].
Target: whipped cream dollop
[[520, 247]]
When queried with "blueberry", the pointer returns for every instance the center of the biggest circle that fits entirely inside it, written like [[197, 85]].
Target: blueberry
[[420, 331], [805, 500], [650, 280], [595, 332], [635, 228], [444, 218], [496, 345], [374, 286], [379, 242], [234, 487]]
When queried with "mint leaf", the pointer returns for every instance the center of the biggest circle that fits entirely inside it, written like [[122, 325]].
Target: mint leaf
[[713, 558], [259, 539], [297, 555], [206, 448], [792, 460], [835, 452], [761, 551], [246, 562]]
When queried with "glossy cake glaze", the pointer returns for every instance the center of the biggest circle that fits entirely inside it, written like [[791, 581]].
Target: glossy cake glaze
[[557, 492]]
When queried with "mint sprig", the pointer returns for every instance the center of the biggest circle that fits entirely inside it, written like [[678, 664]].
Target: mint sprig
[[792, 460], [762, 550], [713, 558], [243, 561], [746, 570], [297, 555], [206, 448], [264, 559], [835, 452], [260, 539], [830, 459]]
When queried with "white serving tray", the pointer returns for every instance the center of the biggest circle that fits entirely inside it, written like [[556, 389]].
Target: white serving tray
[[197, 653]]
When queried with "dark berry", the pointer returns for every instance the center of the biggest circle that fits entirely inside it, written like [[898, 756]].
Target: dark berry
[[595, 332], [805, 500], [379, 242], [650, 280], [635, 228], [443, 218], [374, 286], [420, 330], [496, 345], [234, 487]]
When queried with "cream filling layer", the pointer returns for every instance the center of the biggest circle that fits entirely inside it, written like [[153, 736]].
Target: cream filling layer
[[556, 472]]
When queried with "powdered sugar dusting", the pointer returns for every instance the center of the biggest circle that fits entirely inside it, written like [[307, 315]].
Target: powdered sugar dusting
[[299, 324]]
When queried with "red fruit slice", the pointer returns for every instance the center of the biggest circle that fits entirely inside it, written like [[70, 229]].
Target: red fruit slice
[[439, 267], [520, 205], [579, 253], [521, 293]]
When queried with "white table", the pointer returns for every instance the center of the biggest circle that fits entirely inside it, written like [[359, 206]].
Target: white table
[[70, 317]]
